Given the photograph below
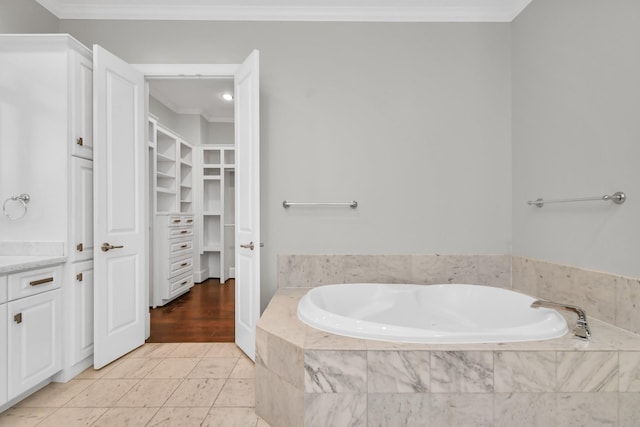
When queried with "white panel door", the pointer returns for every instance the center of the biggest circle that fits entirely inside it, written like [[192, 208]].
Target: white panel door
[[119, 207], [82, 101], [247, 128]]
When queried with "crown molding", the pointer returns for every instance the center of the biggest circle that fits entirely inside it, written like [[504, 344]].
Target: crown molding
[[431, 11], [194, 111]]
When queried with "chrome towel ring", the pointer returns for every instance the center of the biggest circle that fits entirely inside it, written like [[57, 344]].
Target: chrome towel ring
[[21, 204]]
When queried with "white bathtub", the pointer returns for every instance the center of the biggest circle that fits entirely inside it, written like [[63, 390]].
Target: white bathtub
[[453, 314]]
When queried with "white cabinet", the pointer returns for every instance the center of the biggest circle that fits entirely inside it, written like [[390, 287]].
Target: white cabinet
[[3, 355], [81, 209], [82, 339], [218, 208], [34, 334], [51, 81], [172, 257]]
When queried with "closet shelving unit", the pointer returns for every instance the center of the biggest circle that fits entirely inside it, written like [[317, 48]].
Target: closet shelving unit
[[218, 210], [171, 244]]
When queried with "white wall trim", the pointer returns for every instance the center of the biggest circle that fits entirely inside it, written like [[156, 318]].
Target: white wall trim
[[464, 11]]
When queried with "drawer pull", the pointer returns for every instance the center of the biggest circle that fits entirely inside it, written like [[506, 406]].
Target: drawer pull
[[79, 277], [184, 246], [18, 318], [80, 247], [184, 264], [41, 281], [176, 221], [189, 221], [184, 283], [80, 141], [184, 231]]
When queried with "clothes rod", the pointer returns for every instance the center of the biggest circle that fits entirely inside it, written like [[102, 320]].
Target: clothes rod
[[352, 204], [618, 198]]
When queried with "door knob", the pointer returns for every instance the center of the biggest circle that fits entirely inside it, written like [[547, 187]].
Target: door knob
[[107, 246], [249, 246]]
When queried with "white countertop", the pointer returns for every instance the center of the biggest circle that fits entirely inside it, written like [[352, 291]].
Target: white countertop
[[11, 263]]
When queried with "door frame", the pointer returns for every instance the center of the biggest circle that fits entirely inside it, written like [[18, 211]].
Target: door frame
[[182, 71]]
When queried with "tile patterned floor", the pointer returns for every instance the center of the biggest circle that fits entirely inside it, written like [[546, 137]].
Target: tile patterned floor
[[190, 384]]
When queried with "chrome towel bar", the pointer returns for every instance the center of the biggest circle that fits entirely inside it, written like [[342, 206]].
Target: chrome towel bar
[[618, 198], [352, 204]]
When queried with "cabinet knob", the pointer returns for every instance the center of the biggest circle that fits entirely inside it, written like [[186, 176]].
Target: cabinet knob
[[80, 141], [18, 318]]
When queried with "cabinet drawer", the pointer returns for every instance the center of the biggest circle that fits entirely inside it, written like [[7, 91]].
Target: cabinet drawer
[[180, 232], [180, 221], [3, 289], [180, 267], [175, 221], [180, 284], [33, 282], [178, 248]]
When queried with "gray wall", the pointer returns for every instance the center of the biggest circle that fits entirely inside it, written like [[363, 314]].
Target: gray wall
[[26, 16], [576, 131], [411, 120]]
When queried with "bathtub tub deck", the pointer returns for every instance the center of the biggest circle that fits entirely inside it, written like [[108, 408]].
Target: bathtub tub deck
[[307, 377]]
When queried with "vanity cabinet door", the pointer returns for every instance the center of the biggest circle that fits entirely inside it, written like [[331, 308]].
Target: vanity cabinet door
[[3, 354], [34, 340], [82, 311], [82, 107], [81, 209]]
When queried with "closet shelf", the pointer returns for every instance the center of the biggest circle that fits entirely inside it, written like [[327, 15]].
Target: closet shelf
[[165, 190], [211, 213], [164, 158], [165, 175], [213, 248]]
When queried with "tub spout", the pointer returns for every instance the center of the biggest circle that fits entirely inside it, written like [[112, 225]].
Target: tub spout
[[581, 330]]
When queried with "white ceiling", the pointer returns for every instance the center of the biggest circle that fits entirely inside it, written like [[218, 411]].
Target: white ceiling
[[291, 10], [195, 96]]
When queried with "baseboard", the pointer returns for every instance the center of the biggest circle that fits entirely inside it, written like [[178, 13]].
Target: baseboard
[[201, 275]]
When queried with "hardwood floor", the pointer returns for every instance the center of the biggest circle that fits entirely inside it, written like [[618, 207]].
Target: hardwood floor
[[204, 314]]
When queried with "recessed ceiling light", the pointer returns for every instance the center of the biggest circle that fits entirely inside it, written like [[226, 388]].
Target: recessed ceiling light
[[227, 96]]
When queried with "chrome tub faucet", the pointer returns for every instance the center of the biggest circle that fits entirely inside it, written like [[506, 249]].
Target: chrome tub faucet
[[581, 330]]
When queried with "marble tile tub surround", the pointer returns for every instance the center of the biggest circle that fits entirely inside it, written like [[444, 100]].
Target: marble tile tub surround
[[316, 270], [612, 298], [305, 377]]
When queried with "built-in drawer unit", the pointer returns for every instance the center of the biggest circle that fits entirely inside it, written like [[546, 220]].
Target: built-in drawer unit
[[172, 257], [33, 282]]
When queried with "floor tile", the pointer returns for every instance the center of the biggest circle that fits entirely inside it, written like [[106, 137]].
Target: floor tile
[[192, 349], [224, 350], [173, 368], [245, 368], [133, 368], [90, 373], [239, 392], [129, 417], [145, 350], [24, 417], [161, 350], [179, 417], [72, 417], [56, 395], [231, 417], [214, 368], [149, 393], [102, 394], [197, 392]]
